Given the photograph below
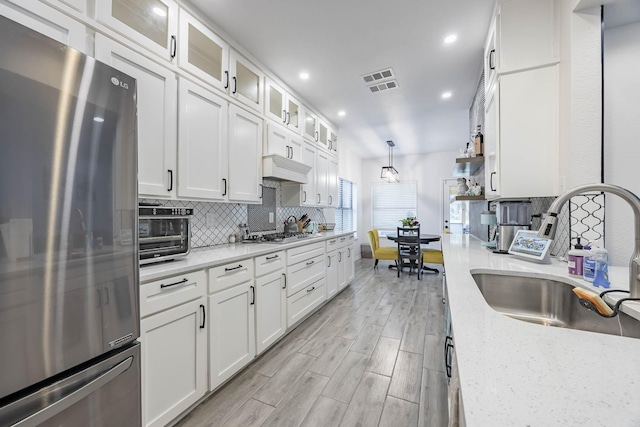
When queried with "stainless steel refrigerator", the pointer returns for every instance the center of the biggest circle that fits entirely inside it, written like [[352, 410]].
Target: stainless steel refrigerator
[[69, 309]]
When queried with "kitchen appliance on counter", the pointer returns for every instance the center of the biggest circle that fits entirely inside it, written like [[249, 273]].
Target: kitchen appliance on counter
[[164, 233], [69, 278], [511, 216]]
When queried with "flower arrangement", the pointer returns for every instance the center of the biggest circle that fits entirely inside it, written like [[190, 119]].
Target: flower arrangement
[[410, 221]]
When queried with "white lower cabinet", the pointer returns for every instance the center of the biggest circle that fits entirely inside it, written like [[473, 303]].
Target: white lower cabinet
[[342, 268], [332, 274], [232, 342], [305, 301], [350, 264], [271, 309], [174, 361]]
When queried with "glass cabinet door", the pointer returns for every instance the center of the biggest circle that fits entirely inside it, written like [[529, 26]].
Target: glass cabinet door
[[333, 142], [310, 125], [202, 52], [143, 21], [246, 81], [275, 105], [323, 134], [294, 113]]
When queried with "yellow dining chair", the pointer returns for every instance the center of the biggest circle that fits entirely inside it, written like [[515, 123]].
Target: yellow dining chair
[[384, 253], [434, 256]]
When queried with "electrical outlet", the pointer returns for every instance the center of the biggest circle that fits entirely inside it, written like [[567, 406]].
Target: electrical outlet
[[271, 217], [209, 220]]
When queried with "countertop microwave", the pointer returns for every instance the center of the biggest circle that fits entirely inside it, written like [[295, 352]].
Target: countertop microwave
[[164, 233]]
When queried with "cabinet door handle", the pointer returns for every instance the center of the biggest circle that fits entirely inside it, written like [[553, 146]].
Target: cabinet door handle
[[312, 288], [253, 295], [272, 257], [235, 85], [170, 180], [225, 186], [330, 200], [447, 347], [349, 252], [261, 190], [304, 196], [318, 198], [204, 316], [310, 262], [339, 256], [226, 84], [328, 261], [174, 46], [491, 181], [492, 54], [317, 139], [233, 268], [284, 117], [185, 280], [288, 118], [285, 281]]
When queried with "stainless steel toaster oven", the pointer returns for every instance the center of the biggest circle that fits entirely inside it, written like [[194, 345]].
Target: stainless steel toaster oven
[[164, 233]]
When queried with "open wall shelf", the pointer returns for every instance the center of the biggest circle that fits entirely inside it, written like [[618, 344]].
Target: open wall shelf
[[467, 166]]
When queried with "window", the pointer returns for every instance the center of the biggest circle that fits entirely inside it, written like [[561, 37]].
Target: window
[[346, 218], [391, 202]]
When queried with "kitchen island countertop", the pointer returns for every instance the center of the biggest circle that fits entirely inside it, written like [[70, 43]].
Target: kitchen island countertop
[[514, 373]]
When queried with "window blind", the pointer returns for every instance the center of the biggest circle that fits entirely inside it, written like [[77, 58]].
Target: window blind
[[391, 202], [345, 212]]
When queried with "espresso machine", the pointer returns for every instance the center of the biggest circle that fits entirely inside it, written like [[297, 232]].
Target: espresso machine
[[511, 216]]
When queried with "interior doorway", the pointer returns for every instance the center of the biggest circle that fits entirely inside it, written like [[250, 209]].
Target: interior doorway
[[455, 213]]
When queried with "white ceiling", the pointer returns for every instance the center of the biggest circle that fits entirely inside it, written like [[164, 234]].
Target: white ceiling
[[338, 41]]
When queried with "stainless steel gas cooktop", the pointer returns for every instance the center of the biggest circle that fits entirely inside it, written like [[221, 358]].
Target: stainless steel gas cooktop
[[284, 237]]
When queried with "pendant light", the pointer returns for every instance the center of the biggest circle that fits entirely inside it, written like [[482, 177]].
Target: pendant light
[[389, 172]]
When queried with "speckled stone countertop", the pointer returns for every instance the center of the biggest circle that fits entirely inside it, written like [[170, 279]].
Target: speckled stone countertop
[[514, 373], [215, 255]]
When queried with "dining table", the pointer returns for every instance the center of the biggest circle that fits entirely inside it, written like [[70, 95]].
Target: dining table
[[425, 239]]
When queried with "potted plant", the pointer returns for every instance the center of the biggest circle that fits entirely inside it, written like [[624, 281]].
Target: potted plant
[[410, 221]]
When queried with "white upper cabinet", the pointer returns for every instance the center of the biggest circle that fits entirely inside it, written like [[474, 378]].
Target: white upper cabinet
[[283, 142], [153, 24], [332, 182], [524, 34], [281, 107], [245, 156], [245, 81], [322, 178], [77, 5], [157, 118], [202, 53], [333, 141], [310, 126], [45, 20], [324, 134], [202, 143], [491, 142]]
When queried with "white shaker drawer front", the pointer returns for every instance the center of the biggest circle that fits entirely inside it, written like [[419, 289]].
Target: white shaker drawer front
[[343, 241], [269, 263], [304, 273], [227, 275], [304, 302], [172, 291], [302, 253], [332, 244]]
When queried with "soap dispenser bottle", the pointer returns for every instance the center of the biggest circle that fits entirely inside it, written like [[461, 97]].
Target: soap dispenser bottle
[[576, 260]]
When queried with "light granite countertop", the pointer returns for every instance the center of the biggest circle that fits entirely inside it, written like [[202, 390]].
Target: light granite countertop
[[513, 373], [211, 256]]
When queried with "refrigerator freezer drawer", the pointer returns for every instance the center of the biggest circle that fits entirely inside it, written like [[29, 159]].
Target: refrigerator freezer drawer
[[104, 394]]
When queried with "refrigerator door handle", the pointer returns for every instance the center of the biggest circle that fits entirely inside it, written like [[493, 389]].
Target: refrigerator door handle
[[76, 396]]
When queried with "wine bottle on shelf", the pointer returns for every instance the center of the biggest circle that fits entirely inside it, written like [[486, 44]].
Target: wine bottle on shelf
[[479, 141]]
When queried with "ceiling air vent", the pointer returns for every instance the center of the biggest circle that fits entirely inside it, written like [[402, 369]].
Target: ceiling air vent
[[379, 87], [378, 75]]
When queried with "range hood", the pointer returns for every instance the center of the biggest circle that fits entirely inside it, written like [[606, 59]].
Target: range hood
[[278, 167]]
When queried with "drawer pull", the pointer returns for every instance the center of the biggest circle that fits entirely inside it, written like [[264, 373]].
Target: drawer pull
[[285, 281], [309, 290], [272, 257], [185, 280], [204, 316], [233, 268], [332, 241], [253, 295], [310, 262]]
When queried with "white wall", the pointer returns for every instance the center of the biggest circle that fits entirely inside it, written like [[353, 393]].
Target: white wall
[[621, 134], [427, 169]]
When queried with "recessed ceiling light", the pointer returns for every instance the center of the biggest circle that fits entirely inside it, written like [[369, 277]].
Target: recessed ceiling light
[[446, 95], [304, 75], [342, 113], [451, 38], [160, 12]]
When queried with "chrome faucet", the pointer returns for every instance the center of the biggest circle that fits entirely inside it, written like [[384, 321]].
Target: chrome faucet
[[550, 224]]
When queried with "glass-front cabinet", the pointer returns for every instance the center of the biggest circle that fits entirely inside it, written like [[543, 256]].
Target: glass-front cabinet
[[245, 83], [333, 141], [282, 107], [310, 126], [152, 24], [202, 53], [323, 134]]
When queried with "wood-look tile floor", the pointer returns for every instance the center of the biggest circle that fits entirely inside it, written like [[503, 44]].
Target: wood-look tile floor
[[371, 357]]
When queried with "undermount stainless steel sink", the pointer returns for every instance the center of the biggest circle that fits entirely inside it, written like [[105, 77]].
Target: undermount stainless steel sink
[[549, 303]]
